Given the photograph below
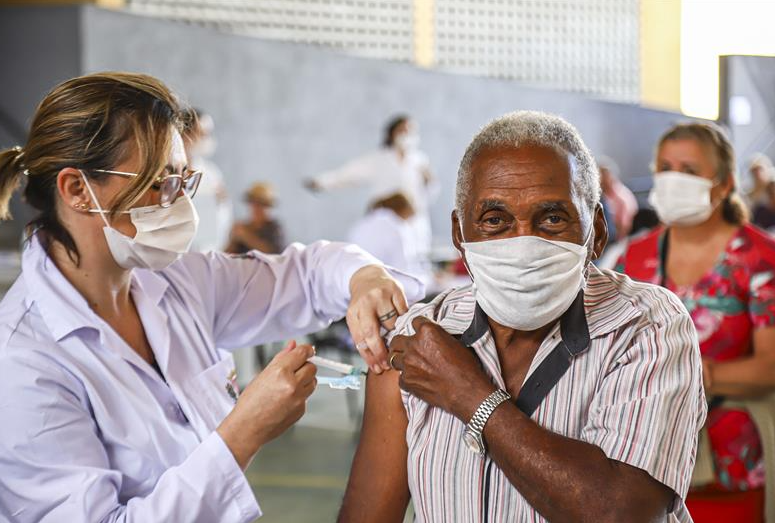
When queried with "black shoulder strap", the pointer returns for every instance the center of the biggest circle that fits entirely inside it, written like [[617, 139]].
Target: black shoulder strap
[[575, 340]]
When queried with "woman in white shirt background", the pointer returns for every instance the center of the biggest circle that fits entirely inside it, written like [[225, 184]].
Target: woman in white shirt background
[[117, 391], [399, 166], [386, 233]]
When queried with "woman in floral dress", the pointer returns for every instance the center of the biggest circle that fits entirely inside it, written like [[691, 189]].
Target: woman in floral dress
[[723, 269]]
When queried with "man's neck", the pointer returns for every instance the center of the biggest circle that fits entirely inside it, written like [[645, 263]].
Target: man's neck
[[505, 336]]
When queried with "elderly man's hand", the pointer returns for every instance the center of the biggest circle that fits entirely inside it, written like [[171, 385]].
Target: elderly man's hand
[[440, 370]]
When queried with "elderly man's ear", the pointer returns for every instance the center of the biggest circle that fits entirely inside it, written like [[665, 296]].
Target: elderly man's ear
[[601, 232], [457, 235]]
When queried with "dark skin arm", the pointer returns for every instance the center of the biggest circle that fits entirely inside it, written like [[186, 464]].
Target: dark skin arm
[[535, 460], [377, 490]]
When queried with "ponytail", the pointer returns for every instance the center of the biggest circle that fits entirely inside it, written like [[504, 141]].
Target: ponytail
[[11, 167], [733, 210]]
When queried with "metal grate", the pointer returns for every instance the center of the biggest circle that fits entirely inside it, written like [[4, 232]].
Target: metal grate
[[375, 29], [585, 46]]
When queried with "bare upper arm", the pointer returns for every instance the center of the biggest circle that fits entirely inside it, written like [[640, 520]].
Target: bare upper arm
[[378, 490]]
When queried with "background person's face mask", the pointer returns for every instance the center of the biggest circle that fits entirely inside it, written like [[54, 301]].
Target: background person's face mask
[[681, 199], [408, 141], [526, 282], [163, 233]]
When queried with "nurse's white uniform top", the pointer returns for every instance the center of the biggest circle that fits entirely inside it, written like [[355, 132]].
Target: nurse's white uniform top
[[91, 432]]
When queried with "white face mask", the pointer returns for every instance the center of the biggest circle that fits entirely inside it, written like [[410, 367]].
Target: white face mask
[[526, 282], [163, 233], [408, 141], [681, 199]]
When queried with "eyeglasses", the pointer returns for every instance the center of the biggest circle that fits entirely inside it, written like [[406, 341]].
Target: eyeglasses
[[169, 184]]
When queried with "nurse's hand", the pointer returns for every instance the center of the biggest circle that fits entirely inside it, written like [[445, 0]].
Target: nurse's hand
[[374, 295], [271, 403]]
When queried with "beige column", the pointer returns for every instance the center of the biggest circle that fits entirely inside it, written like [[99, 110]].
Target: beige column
[[424, 34], [660, 54]]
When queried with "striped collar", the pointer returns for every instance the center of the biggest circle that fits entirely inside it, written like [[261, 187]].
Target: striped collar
[[597, 310], [573, 326]]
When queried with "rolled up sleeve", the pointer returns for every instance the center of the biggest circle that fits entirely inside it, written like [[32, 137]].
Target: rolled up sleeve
[[650, 405]]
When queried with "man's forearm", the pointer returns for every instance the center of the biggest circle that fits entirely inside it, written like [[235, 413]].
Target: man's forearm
[[570, 480]]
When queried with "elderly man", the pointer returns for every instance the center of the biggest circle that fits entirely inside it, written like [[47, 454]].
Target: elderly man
[[548, 390]]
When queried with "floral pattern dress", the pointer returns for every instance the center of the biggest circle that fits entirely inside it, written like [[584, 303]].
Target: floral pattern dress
[[727, 304]]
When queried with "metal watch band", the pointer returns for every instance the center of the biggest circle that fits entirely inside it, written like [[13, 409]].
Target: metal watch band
[[486, 409]]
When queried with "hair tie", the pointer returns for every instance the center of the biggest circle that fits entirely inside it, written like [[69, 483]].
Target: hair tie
[[19, 155], [19, 152]]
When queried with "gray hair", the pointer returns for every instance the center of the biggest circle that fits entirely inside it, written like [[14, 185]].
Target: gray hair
[[533, 128]]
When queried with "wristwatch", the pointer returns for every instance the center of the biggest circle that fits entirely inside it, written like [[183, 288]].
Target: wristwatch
[[472, 436]]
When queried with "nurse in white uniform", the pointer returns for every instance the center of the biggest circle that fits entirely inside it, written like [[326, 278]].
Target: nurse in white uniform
[[118, 401]]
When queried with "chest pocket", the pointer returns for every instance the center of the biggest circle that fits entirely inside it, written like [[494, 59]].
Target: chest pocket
[[213, 392]]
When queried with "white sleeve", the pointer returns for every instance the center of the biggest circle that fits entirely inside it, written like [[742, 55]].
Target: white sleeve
[[257, 298], [56, 469], [353, 173]]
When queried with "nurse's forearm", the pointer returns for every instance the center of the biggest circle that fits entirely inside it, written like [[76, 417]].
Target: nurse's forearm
[[243, 446], [273, 401]]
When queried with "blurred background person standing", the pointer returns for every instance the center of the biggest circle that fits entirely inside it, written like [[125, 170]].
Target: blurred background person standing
[[399, 166], [213, 204], [764, 211], [617, 197], [761, 173], [386, 233], [260, 231]]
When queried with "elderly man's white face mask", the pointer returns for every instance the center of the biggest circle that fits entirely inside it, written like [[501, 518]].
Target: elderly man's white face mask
[[526, 282]]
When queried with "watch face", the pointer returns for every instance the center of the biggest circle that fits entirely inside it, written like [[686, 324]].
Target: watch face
[[472, 442]]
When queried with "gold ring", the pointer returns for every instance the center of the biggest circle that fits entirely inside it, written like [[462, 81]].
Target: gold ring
[[390, 362], [385, 317]]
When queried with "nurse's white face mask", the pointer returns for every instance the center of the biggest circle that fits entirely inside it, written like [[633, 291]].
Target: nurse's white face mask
[[526, 282], [163, 233]]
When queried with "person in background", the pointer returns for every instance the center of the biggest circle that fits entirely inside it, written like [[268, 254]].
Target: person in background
[[260, 232], [764, 211], [643, 221], [213, 203], [385, 233], [761, 173], [617, 197], [398, 166], [723, 269]]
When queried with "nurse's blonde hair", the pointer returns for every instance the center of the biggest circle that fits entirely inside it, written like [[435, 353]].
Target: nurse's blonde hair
[[91, 122]]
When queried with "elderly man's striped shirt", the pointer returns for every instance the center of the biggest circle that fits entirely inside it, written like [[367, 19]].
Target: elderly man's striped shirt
[[636, 393]]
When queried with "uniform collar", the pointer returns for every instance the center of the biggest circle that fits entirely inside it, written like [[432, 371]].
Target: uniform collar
[[598, 310], [62, 307]]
